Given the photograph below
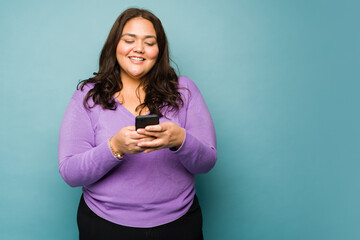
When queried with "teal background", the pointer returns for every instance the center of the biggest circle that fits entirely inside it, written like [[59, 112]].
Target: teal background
[[281, 80]]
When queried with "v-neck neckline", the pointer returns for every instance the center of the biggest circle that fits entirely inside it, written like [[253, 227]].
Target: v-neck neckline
[[127, 110]]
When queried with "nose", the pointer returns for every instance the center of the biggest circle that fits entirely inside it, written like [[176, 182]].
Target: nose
[[139, 47]]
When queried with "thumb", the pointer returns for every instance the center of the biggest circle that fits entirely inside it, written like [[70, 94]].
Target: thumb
[[130, 128]]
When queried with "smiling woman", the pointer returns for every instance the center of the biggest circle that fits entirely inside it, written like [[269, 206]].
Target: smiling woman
[[156, 95], [137, 184]]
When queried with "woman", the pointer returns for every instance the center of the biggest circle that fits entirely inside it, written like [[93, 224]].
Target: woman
[[137, 184]]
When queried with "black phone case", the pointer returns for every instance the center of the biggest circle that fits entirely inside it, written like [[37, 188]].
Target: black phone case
[[145, 120]]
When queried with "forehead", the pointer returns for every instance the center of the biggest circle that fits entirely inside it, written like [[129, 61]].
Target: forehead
[[139, 26]]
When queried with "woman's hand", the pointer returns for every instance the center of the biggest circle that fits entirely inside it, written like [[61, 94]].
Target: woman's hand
[[164, 135], [127, 139]]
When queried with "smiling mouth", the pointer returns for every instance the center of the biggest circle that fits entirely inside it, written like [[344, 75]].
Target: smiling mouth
[[138, 59]]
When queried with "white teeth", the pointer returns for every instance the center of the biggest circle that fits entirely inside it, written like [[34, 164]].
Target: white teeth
[[137, 59]]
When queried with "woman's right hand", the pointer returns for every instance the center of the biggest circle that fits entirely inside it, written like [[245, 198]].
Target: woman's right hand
[[126, 141]]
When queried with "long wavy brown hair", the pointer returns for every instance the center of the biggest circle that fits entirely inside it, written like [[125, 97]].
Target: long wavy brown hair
[[160, 84]]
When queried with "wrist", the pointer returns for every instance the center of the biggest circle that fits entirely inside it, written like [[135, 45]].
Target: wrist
[[180, 140], [116, 153]]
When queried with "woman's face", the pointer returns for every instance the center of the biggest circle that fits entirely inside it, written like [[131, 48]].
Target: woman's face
[[137, 49]]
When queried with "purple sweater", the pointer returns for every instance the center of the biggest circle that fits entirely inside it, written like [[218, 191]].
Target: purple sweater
[[145, 189]]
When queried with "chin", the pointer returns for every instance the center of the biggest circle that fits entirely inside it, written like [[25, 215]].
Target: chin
[[137, 76]]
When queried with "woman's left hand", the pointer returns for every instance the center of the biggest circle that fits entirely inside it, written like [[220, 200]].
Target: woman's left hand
[[167, 135]]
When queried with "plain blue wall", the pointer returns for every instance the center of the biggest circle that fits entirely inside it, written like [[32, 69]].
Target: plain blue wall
[[281, 79]]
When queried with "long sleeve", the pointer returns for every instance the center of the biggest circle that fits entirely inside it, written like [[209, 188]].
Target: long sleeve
[[81, 162], [198, 152]]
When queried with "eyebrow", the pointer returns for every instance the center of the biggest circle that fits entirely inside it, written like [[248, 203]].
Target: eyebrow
[[134, 35]]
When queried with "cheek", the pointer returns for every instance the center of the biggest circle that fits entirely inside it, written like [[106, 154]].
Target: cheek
[[122, 50], [153, 53]]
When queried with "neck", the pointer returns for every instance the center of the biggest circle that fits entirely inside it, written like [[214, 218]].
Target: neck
[[131, 89], [129, 82]]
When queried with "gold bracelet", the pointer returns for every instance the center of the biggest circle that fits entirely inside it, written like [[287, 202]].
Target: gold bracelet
[[117, 155]]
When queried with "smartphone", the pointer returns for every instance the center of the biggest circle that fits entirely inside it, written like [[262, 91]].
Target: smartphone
[[145, 120]]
